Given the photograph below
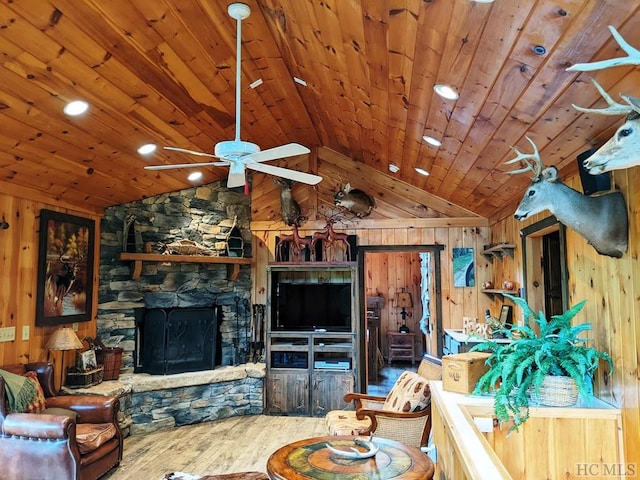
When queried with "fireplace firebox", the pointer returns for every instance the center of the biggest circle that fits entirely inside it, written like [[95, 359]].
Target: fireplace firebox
[[177, 340]]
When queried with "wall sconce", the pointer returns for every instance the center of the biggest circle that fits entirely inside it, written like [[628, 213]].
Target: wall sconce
[[64, 339], [4, 224], [403, 301]]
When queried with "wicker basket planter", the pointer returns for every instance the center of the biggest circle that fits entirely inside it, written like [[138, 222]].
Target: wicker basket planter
[[556, 391]]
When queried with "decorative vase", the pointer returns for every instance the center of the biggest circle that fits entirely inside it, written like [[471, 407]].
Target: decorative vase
[[508, 285], [487, 285], [556, 391]]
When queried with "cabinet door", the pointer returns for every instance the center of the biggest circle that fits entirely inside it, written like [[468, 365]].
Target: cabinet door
[[329, 389], [288, 393]]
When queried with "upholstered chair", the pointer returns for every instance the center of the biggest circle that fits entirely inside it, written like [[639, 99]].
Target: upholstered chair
[[67, 437], [403, 415]]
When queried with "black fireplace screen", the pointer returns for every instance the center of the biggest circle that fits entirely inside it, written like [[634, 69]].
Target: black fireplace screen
[[176, 340]]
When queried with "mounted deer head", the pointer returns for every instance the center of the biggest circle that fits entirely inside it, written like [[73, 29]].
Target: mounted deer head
[[289, 208], [601, 220], [623, 149]]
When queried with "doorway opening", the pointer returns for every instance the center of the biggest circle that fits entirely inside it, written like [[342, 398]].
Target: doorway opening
[[545, 271], [386, 274]]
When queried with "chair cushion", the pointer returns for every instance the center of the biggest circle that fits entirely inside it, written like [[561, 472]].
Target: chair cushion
[[410, 393], [90, 436], [344, 422]]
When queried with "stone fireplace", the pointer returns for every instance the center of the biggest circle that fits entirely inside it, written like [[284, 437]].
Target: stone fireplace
[[192, 214], [224, 386]]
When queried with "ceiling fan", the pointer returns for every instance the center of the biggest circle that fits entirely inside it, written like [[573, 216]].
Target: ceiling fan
[[238, 154]]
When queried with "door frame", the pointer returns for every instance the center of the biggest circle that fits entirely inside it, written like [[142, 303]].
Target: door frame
[[362, 250], [531, 247]]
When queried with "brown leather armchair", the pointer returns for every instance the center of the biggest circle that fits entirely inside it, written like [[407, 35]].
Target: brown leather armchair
[[42, 446]]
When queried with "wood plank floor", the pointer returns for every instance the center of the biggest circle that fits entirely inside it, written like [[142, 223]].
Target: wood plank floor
[[224, 446]]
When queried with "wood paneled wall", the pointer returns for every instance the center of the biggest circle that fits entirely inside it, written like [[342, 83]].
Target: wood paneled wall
[[18, 280], [456, 302], [611, 288]]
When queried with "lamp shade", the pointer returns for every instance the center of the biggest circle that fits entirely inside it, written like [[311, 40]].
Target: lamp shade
[[403, 300], [64, 339]]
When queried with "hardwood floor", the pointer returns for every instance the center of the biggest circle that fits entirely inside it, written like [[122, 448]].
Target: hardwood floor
[[224, 446], [387, 378]]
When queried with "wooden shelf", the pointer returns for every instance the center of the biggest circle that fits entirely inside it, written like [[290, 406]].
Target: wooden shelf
[[233, 263], [498, 251], [493, 291]]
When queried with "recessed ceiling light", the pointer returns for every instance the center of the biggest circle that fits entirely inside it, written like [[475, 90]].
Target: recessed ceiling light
[[393, 168], [300, 81], [483, 1], [257, 83], [432, 140], [147, 148], [77, 107], [194, 176], [445, 91], [422, 171]]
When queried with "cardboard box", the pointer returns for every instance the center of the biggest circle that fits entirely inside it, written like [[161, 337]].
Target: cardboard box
[[461, 372]]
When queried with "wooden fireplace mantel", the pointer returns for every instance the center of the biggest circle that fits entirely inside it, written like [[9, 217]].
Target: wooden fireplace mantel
[[233, 263]]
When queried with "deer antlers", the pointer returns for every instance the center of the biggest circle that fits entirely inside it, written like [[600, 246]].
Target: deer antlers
[[614, 108], [534, 166], [632, 58]]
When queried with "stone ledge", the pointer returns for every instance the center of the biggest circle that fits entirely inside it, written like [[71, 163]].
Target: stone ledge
[[144, 382]]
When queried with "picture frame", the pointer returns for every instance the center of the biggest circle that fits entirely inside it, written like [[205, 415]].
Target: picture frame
[[87, 360], [506, 315], [463, 267], [65, 269]]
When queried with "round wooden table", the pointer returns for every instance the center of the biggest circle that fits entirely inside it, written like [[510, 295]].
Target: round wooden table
[[310, 459]]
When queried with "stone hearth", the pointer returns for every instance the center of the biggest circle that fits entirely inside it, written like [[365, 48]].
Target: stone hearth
[[152, 402]]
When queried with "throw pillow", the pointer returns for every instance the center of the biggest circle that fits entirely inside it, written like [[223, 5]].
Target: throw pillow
[[410, 393], [21, 391], [38, 402]]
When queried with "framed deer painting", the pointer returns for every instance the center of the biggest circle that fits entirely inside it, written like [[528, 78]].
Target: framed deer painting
[[65, 269]]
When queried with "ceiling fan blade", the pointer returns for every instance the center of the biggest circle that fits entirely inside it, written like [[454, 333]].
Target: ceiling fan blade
[[186, 165], [283, 151], [294, 175], [236, 175], [191, 152]]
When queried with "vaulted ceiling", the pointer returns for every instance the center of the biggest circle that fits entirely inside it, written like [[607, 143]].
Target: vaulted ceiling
[[162, 71]]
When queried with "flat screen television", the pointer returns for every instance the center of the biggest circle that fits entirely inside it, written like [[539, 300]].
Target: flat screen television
[[312, 306]]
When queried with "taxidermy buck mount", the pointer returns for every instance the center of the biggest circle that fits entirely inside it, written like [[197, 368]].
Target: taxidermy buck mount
[[601, 220], [356, 201], [623, 149], [289, 208]]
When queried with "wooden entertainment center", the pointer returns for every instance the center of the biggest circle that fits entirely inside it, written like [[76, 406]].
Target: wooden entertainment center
[[310, 367]]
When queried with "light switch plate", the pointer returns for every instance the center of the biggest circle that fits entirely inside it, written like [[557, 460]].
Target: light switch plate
[[25, 332], [7, 334]]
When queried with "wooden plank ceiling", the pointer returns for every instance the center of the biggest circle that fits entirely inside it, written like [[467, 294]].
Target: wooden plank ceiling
[[163, 71]]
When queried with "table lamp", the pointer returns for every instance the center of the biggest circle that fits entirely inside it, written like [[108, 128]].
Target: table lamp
[[403, 301], [64, 339]]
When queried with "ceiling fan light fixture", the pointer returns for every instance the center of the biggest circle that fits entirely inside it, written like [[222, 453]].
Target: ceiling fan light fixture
[[422, 171], [393, 168], [75, 108], [194, 176], [432, 140], [445, 91], [147, 148]]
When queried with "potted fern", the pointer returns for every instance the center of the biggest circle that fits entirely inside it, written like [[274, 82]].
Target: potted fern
[[548, 367]]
